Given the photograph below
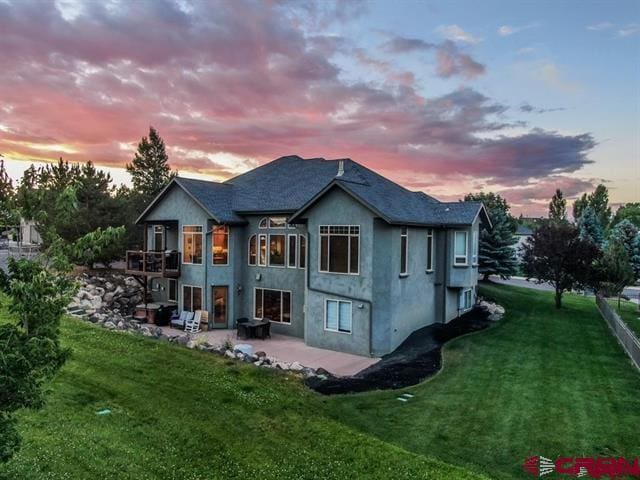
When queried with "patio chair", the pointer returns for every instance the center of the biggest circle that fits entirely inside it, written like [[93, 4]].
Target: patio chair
[[242, 328], [192, 325], [180, 322], [264, 330]]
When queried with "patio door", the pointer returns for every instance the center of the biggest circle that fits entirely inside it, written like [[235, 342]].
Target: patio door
[[220, 296]]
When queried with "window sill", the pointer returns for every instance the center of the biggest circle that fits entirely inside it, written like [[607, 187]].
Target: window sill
[[429, 272], [403, 275], [460, 265]]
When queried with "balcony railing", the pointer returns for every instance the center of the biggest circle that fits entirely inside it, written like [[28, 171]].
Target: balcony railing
[[153, 264]]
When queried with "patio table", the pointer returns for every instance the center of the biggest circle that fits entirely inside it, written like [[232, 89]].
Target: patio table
[[253, 325]]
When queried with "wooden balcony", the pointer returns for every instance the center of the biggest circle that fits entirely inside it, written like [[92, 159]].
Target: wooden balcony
[[153, 264]]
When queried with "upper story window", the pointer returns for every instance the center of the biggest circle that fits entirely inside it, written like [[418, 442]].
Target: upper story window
[[292, 254], [302, 253], [262, 250], [220, 245], [460, 248], [277, 250], [340, 249], [431, 248], [277, 222], [158, 237], [474, 257], [404, 249], [192, 244], [264, 223], [253, 250]]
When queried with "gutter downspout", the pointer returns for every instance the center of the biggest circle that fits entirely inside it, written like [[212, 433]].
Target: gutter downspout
[[327, 292], [206, 272]]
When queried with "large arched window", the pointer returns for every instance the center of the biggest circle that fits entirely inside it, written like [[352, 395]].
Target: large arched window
[[252, 250]]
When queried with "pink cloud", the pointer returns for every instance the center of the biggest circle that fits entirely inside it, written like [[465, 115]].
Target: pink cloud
[[251, 80]]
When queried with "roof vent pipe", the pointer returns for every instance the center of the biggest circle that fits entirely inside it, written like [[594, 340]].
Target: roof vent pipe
[[340, 168]]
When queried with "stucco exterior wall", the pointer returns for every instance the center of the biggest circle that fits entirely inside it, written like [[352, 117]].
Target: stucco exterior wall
[[338, 208]]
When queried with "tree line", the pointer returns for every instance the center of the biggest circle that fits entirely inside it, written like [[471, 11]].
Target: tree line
[[597, 250]]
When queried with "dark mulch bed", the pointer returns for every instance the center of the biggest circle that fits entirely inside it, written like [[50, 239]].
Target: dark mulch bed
[[418, 358]]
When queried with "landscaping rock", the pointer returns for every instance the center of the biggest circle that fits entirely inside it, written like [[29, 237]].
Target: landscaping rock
[[110, 325], [230, 354], [261, 354], [296, 367], [243, 348]]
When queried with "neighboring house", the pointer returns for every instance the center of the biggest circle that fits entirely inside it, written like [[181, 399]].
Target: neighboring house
[[28, 233], [329, 250], [522, 233]]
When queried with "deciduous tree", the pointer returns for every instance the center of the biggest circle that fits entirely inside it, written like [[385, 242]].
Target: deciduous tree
[[556, 254], [558, 207]]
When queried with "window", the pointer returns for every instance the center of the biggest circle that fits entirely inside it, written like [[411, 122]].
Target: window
[[220, 245], [252, 250], [191, 298], [339, 248], [262, 260], [465, 299], [302, 258], [192, 244], [276, 250], [263, 223], [277, 222], [220, 296], [474, 260], [291, 226], [460, 248], [172, 291], [404, 250], [272, 304], [158, 237], [293, 251], [337, 316], [430, 251]]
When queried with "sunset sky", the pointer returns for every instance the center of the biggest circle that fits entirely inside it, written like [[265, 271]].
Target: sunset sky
[[446, 97]]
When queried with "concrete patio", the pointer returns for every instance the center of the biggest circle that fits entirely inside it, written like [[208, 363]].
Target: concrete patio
[[288, 349]]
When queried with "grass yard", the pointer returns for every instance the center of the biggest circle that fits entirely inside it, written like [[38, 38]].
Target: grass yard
[[183, 414], [629, 312], [541, 382]]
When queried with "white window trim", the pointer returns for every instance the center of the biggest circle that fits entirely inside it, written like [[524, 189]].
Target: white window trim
[[277, 228], [172, 300], [228, 247], [164, 240], [266, 223], [326, 301], [286, 251], [348, 252], [266, 250], [463, 293], [404, 273], [430, 235], [475, 248], [466, 248], [204, 300], [249, 250], [201, 233], [255, 289], [297, 254], [306, 247]]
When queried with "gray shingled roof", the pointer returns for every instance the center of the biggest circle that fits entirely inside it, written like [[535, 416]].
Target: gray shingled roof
[[291, 184]]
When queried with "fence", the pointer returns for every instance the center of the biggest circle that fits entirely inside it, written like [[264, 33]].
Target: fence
[[625, 336]]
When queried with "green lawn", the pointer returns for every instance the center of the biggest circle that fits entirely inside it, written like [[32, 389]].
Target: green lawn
[[629, 312], [184, 414], [540, 382]]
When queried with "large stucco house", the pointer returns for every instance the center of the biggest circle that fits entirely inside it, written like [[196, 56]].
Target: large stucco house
[[329, 250]]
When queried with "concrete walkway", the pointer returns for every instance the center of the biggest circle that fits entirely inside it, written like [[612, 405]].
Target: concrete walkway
[[289, 349]]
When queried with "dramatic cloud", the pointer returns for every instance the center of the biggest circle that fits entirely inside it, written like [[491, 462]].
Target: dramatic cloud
[[457, 34], [450, 60], [234, 86]]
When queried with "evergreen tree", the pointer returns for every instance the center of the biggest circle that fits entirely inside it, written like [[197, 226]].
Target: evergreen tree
[[579, 205], [150, 171], [590, 228], [599, 201], [629, 211], [558, 207], [628, 235], [496, 254]]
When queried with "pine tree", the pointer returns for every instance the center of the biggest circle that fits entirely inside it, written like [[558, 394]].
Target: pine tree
[[150, 171], [590, 227], [558, 207], [628, 235], [496, 254]]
